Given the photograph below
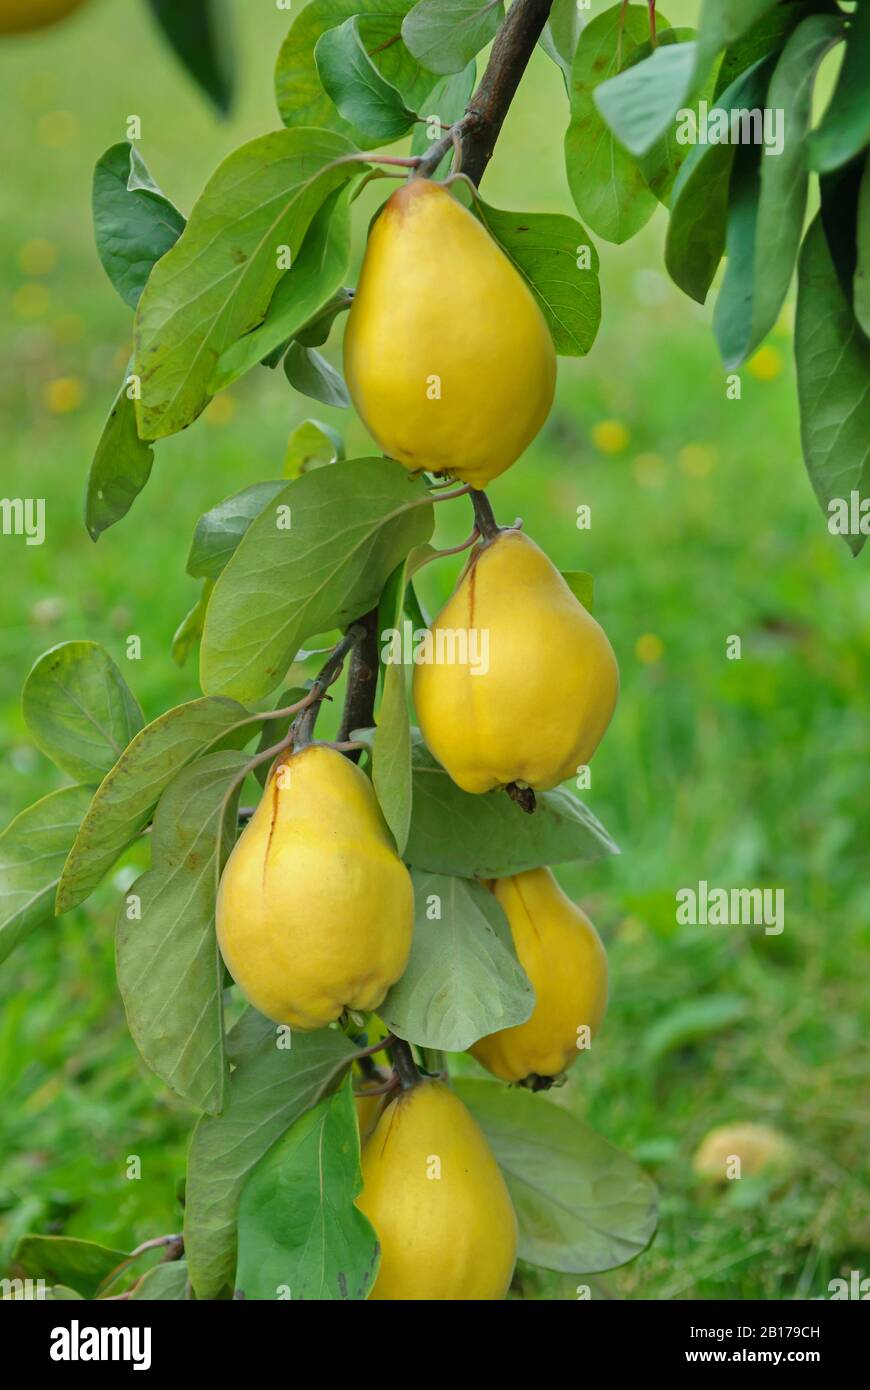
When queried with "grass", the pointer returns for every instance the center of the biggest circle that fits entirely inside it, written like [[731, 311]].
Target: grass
[[741, 772]]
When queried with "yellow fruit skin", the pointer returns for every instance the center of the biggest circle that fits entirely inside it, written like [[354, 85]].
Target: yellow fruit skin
[[19, 16], [562, 954], [438, 298], [315, 909], [442, 1238], [541, 709], [367, 1109]]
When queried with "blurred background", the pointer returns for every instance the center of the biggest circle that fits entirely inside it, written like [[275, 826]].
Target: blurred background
[[748, 773]]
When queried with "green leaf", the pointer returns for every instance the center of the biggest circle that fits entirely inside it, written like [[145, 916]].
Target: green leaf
[[189, 630], [134, 222], [463, 980], [312, 445], [33, 851], [311, 374], [364, 98], [766, 35], [304, 292], [268, 1091], [219, 530], [317, 329], [561, 35], [217, 282], [164, 1282], [82, 1265], [442, 107], [300, 95], [170, 972], [583, 1206], [544, 248], [606, 184], [833, 375], [663, 161], [79, 709], [639, 103], [845, 127], [699, 201], [723, 22], [120, 468], [581, 584], [349, 526], [489, 836], [300, 1235], [732, 317], [444, 35], [691, 1022], [784, 176], [391, 748], [124, 802], [199, 34], [861, 283]]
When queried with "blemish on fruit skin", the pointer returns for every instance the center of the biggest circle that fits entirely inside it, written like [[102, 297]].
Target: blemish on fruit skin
[[275, 795]]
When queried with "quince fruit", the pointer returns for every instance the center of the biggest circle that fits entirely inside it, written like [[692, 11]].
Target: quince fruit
[[447, 356], [315, 909], [536, 700], [760, 1149], [561, 952], [436, 1197], [19, 16]]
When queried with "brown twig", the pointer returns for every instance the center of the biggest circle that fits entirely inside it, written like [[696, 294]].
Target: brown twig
[[481, 125]]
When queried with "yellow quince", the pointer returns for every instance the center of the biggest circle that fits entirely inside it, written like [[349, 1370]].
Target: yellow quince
[[315, 909], [438, 1202], [561, 952], [535, 701], [447, 355]]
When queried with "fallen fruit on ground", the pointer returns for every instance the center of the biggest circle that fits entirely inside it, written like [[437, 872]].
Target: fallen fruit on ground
[[18, 16], [315, 909], [760, 1149], [562, 954], [437, 1200], [447, 356], [544, 695]]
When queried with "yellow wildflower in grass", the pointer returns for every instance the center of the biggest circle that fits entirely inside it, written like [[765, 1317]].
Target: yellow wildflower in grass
[[649, 470], [766, 364], [38, 257], [697, 460], [649, 648], [64, 395], [610, 436], [30, 301]]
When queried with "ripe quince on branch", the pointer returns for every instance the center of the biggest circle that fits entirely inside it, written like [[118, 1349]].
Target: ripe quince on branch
[[539, 710], [447, 356], [315, 909], [562, 954], [437, 1200]]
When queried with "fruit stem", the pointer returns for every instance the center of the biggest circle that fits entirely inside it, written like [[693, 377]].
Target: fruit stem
[[406, 1067], [479, 128], [362, 683], [484, 516], [302, 729]]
